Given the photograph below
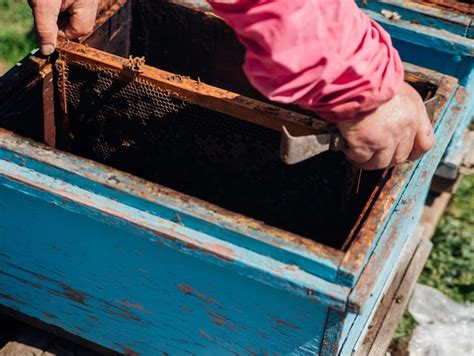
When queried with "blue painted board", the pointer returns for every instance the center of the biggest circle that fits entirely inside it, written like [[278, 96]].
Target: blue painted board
[[125, 290]]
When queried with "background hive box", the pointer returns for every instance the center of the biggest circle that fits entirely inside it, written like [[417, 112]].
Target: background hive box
[[140, 268], [435, 34]]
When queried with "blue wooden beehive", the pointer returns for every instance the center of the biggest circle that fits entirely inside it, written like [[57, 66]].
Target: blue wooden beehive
[[435, 34], [142, 268]]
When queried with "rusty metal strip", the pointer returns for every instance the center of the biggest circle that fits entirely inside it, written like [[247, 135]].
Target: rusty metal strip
[[198, 93]]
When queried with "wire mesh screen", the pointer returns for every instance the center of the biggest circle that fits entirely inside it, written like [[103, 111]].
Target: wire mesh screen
[[133, 126]]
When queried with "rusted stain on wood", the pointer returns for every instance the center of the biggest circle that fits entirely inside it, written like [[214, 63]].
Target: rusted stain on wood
[[130, 305], [206, 335], [217, 318], [22, 280], [68, 292], [130, 352], [10, 298], [186, 309], [217, 250], [185, 289], [49, 315], [121, 312], [74, 294], [285, 323]]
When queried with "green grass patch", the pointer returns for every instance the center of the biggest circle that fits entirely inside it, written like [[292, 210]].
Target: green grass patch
[[450, 268], [16, 30]]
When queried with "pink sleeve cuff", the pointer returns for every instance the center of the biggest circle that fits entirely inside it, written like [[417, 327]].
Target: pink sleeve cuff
[[326, 56]]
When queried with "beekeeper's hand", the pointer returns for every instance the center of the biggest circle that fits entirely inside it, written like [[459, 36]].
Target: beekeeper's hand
[[79, 18], [397, 131]]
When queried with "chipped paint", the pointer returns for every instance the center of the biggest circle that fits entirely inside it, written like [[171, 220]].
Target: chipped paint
[[74, 294], [185, 289], [130, 305], [285, 323], [49, 315]]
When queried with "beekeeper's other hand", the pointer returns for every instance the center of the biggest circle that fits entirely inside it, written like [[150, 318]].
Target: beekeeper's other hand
[[74, 18]]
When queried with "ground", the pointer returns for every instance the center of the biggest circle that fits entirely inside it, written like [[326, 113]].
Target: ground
[[451, 265]]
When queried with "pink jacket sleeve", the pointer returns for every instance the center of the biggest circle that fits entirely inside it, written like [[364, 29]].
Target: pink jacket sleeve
[[323, 55]]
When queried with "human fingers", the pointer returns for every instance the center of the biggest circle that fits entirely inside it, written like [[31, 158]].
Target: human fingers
[[424, 139], [380, 160], [82, 14], [46, 14]]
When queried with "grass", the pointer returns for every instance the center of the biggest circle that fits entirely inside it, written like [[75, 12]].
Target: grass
[[16, 31], [450, 267]]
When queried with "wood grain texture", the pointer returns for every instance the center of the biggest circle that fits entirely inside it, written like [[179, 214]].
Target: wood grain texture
[[132, 293], [388, 297], [400, 302]]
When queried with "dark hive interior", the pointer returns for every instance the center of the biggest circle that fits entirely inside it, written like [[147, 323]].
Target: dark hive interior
[[234, 164]]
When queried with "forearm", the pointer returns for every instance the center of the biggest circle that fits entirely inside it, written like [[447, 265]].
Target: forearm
[[323, 55]]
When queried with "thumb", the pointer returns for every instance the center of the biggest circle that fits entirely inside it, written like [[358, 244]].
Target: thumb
[[46, 13], [424, 139]]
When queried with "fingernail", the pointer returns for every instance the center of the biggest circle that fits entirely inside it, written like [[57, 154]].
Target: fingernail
[[46, 50]]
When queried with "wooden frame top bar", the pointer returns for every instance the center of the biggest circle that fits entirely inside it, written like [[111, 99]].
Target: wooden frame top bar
[[194, 92]]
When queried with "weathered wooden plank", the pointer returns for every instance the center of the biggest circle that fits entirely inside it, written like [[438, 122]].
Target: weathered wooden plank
[[173, 235], [400, 302], [388, 297], [48, 266]]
